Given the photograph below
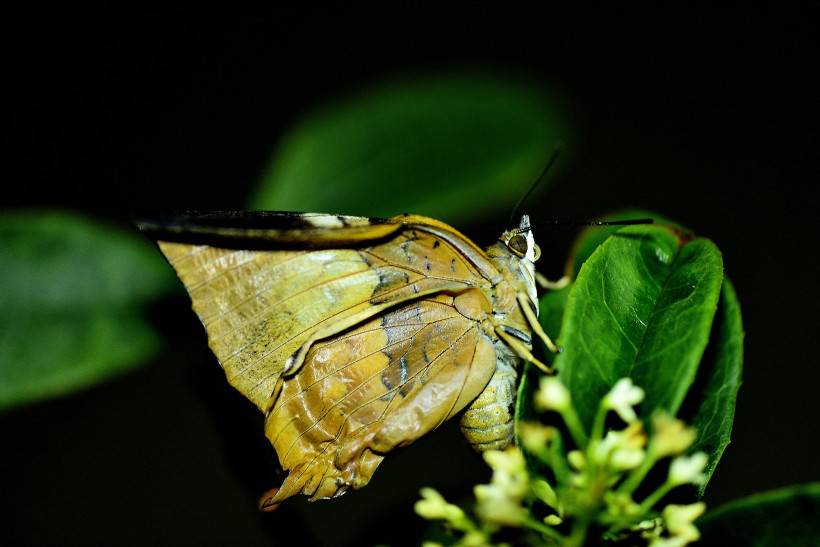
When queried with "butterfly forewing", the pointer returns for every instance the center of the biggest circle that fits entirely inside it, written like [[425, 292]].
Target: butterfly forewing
[[260, 307]]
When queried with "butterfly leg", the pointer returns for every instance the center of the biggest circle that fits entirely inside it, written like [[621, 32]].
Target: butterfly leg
[[545, 283], [523, 301], [521, 350]]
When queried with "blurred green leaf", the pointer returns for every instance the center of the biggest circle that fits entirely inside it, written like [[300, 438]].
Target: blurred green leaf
[[56, 260], [642, 306], [721, 369], [789, 516], [72, 298], [450, 147]]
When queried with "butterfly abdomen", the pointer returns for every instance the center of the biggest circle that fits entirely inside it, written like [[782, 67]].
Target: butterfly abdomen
[[488, 421]]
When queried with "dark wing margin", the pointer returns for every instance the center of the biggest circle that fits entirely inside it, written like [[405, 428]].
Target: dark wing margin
[[266, 229]]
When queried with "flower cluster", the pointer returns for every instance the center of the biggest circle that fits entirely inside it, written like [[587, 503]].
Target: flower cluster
[[600, 483]]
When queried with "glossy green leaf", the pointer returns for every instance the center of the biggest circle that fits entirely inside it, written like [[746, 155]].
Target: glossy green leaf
[[447, 147], [73, 292], [786, 517], [642, 307], [721, 375], [710, 404]]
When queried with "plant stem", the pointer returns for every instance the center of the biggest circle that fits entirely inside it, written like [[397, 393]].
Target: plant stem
[[579, 533], [656, 496], [558, 460], [533, 524], [598, 424], [576, 430], [634, 480]]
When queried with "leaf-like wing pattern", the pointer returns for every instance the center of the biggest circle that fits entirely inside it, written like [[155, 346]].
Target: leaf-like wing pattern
[[263, 307]]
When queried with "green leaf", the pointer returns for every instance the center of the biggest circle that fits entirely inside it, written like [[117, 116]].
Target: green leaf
[[710, 404], [73, 292], [789, 516], [448, 147], [721, 369], [642, 306]]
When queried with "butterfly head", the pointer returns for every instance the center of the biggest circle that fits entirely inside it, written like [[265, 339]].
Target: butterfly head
[[520, 241], [515, 254]]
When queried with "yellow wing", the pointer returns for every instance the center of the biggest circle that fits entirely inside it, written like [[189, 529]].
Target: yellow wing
[[267, 286], [384, 384]]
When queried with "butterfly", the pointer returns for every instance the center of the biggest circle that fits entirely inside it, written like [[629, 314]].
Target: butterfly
[[355, 336]]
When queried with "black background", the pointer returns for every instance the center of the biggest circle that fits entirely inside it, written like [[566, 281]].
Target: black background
[[708, 116]]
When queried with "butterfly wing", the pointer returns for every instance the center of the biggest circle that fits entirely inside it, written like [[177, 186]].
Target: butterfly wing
[[381, 385], [267, 286]]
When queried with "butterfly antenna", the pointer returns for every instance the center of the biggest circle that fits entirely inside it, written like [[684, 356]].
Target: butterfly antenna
[[534, 185], [628, 222]]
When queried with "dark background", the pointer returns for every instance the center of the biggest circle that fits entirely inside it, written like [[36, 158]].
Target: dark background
[[708, 116]]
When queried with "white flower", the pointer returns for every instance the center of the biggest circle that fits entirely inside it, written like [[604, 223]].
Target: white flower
[[500, 501], [688, 469], [622, 397], [679, 520], [621, 450], [495, 506], [535, 436], [434, 506], [552, 395], [670, 436]]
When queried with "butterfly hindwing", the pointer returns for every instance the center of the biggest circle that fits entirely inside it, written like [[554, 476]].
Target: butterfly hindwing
[[383, 384]]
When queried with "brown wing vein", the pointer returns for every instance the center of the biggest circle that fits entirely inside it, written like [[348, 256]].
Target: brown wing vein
[[264, 355], [328, 444], [233, 308], [197, 250], [362, 358], [205, 282], [425, 275], [363, 383]]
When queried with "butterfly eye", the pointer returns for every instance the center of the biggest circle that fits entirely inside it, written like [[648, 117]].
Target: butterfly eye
[[518, 245], [536, 250]]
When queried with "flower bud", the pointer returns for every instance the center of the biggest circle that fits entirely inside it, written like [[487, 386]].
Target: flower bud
[[434, 506], [552, 395], [670, 436]]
